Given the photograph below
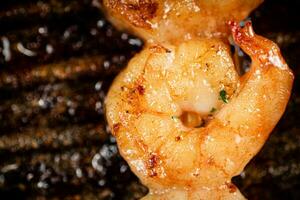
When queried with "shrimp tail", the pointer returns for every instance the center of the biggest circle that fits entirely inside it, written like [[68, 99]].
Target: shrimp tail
[[260, 49], [265, 90]]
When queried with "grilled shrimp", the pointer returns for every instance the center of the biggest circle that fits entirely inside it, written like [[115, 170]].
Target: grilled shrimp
[[173, 20], [186, 122]]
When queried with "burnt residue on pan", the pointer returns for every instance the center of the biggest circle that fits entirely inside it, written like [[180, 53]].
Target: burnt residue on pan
[[57, 61]]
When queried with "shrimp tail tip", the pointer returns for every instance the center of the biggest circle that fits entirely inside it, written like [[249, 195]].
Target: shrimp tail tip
[[241, 34]]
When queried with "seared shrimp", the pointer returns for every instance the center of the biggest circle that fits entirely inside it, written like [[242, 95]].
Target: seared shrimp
[[187, 123], [176, 20], [184, 120]]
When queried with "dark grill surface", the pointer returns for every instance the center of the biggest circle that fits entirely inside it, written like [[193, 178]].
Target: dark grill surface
[[57, 61]]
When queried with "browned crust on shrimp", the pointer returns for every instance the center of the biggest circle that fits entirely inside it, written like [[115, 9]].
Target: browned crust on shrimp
[[136, 12], [116, 128]]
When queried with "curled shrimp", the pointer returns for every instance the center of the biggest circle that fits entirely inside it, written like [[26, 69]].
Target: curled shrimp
[[184, 120], [187, 123]]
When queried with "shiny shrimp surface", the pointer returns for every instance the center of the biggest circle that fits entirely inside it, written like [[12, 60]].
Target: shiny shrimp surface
[[176, 20], [184, 120], [187, 123]]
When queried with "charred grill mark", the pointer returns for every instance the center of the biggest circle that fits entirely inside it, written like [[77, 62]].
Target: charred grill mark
[[138, 13], [139, 84], [140, 89], [134, 95], [152, 173], [152, 163], [178, 138], [159, 49], [153, 160], [116, 128], [231, 187]]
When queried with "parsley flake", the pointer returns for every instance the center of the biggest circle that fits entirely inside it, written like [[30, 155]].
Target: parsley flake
[[223, 96]]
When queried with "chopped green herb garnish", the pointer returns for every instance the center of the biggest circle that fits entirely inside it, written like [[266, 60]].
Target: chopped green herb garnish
[[223, 96], [213, 110]]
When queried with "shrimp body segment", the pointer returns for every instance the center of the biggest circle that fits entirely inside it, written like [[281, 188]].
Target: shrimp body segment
[[147, 100], [180, 135], [156, 20]]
